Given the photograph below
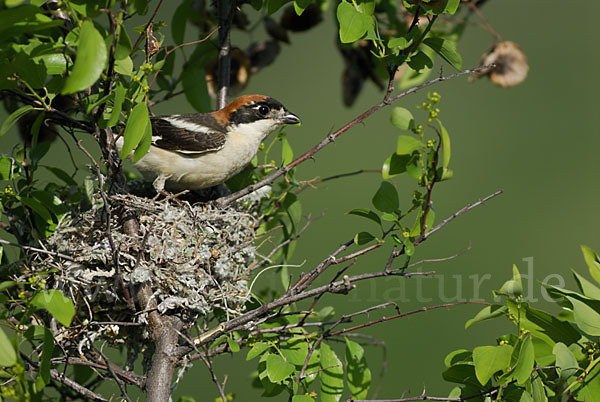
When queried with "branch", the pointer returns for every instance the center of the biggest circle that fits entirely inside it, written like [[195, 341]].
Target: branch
[[225, 16], [298, 291], [75, 386], [128, 376], [458, 213], [224, 201], [400, 315], [37, 250]]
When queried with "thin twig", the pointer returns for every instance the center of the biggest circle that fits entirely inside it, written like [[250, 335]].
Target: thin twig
[[224, 201], [37, 250], [141, 35], [75, 386], [400, 315], [112, 372], [298, 291]]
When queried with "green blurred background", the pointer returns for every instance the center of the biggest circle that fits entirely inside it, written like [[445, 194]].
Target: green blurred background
[[538, 142]]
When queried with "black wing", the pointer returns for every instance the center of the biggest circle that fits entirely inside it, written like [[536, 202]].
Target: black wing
[[191, 134]]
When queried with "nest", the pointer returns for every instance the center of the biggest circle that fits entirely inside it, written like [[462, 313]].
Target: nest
[[195, 259]]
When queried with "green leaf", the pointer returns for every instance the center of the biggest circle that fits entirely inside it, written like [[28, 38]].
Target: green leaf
[[55, 63], [446, 48], [538, 390], [592, 260], [366, 6], [462, 373], [332, 375], [47, 351], [587, 319], [60, 174], [274, 5], [233, 345], [490, 359], [399, 43], [141, 7], [90, 61], [543, 325], [117, 105], [135, 129], [257, 349], [144, 144], [445, 145], [293, 208], [396, 164], [25, 18], [565, 360], [524, 367], [365, 213], [407, 145], [8, 356], [302, 398], [5, 167], [300, 6], [409, 247], [386, 198], [277, 368], [295, 350], [587, 288], [353, 23], [195, 88], [420, 61], [358, 373], [178, 22], [13, 118], [363, 238], [56, 304], [513, 287], [287, 155], [457, 356], [124, 66], [487, 313], [590, 389], [6, 284], [402, 118], [445, 6], [36, 207]]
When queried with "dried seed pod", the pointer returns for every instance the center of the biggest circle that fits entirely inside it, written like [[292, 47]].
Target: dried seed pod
[[275, 30], [359, 67], [152, 44], [511, 65], [311, 16], [239, 74], [262, 54]]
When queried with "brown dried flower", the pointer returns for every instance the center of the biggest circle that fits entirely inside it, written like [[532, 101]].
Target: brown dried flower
[[511, 65]]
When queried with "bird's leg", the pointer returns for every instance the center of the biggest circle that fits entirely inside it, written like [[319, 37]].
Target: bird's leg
[[159, 185]]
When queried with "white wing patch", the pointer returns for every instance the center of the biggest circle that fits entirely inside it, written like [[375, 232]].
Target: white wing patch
[[188, 125]]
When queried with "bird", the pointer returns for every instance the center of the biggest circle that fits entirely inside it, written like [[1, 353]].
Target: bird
[[201, 150]]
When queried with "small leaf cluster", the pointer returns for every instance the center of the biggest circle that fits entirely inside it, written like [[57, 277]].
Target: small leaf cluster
[[21, 301], [303, 364], [425, 158], [397, 35], [548, 358]]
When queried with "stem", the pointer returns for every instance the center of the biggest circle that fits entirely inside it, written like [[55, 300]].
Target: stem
[[225, 14]]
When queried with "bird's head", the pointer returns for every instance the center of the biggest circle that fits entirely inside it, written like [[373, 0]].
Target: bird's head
[[257, 112]]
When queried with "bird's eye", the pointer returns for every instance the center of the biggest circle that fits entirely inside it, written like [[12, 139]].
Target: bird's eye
[[263, 110]]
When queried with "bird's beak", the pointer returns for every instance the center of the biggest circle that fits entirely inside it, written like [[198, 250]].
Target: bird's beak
[[290, 118]]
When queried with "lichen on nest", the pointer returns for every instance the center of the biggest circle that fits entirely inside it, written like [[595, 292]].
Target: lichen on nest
[[195, 258]]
